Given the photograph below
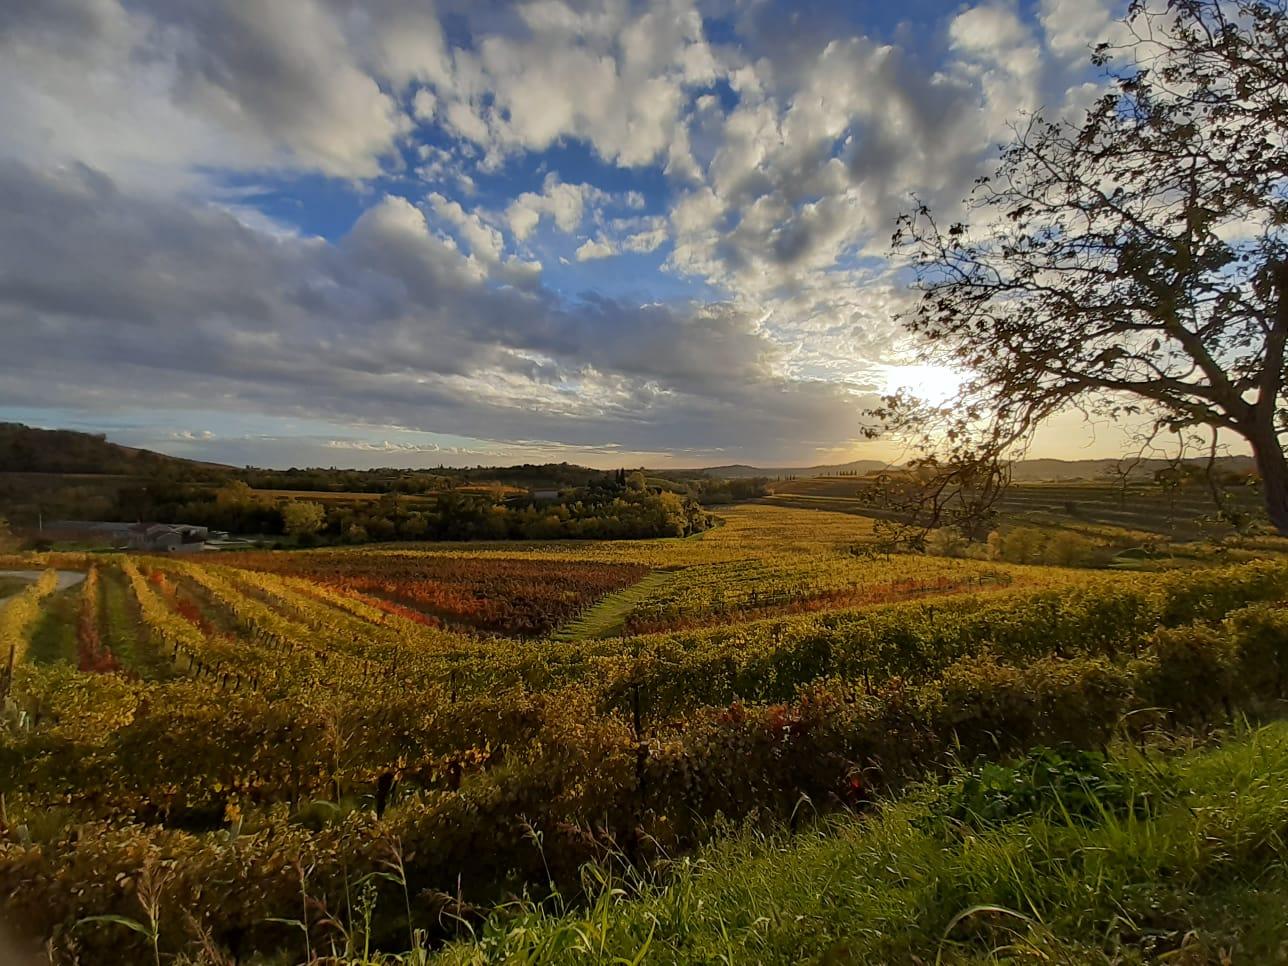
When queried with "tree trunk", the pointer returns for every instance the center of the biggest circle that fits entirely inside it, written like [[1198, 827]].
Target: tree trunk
[[1265, 440], [1273, 467]]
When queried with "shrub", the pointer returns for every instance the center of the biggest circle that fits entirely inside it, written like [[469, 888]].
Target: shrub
[[1260, 636], [1190, 672], [947, 542], [1063, 784]]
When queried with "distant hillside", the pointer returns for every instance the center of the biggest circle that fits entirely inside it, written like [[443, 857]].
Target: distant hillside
[[1023, 471], [740, 471], [24, 449], [1032, 471]]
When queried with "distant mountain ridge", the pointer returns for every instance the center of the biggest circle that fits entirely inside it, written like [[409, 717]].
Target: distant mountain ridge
[[1032, 471], [25, 449], [739, 471], [1023, 471]]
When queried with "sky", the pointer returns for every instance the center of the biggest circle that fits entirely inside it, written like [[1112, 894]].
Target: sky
[[413, 233]]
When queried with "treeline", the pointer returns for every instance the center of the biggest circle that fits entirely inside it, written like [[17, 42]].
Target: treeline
[[64, 475], [713, 492], [394, 480], [564, 478], [610, 510]]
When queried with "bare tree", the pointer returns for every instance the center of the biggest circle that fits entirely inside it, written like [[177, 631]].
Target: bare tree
[[1136, 262]]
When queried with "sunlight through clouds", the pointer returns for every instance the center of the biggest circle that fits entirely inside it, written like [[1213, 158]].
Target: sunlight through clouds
[[390, 212]]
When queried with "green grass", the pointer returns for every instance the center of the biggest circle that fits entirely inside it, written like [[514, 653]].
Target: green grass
[[607, 618], [53, 638], [11, 585], [1194, 870], [123, 630]]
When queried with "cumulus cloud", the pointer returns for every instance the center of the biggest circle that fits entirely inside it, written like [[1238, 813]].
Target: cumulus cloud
[[618, 82], [802, 174], [593, 248], [1074, 27], [564, 204], [992, 29], [641, 234], [108, 295], [440, 167], [482, 239], [161, 158], [158, 88], [646, 241]]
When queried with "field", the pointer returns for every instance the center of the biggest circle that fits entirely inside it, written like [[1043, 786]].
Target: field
[[278, 754], [1185, 512], [505, 595]]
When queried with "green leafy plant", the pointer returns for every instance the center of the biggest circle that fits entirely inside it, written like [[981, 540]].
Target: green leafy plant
[[1061, 784]]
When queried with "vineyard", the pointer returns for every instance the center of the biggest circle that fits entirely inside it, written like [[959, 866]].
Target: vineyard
[[281, 754], [1178, 512], [504, 595], [786, 584]]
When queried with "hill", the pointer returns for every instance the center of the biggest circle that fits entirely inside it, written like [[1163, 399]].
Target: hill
[[738, 471], [1043, 470], [1022, 471], [25, 449]]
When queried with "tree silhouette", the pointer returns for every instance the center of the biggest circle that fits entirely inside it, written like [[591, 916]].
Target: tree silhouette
[[1136, 262]]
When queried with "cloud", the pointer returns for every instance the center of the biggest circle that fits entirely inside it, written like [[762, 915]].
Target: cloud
[[158, 88], [991, 29], [642, 234], [440, 167], [646, 241], [383, 446], [113, 300], [1074, 27], [166, 163], [618, 82], [594, 248], [482, 239], [817, 165], [564, 204]]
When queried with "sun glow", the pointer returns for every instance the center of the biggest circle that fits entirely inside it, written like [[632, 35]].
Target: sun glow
[[933, 384]]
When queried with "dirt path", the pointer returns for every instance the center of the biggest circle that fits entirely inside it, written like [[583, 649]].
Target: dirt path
[[66, 578]]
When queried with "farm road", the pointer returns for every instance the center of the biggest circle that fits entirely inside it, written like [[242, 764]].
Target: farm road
[[66, 578]]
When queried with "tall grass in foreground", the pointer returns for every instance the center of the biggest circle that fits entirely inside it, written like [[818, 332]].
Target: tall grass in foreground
[[1175, 859]]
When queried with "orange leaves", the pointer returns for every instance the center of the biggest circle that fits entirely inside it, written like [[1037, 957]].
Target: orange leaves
[[503, 595], [91, 654]]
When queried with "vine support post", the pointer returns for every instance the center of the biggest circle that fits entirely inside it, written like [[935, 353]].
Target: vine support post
[[1054, 627], [641, 746], [8, 671]]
